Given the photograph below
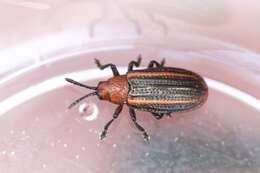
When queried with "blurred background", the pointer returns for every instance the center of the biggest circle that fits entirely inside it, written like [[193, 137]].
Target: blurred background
[[42, 42]]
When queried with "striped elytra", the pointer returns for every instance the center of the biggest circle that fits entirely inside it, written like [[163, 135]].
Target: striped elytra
[[157, 89], [165, 90]]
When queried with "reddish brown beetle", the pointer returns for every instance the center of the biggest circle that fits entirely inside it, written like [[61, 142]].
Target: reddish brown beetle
[[157, 89]]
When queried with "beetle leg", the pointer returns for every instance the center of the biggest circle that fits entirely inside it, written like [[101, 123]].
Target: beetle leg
[[154, 63], [115, 115], [169, 115], [112, 66], [134, 63], [139, 127], [158, 115]]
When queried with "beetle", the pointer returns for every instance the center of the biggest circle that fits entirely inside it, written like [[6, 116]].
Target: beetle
[[157, 89]]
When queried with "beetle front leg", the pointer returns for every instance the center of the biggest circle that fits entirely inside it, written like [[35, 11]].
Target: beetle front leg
[[139, 127], [134, 63], [112, 66], [115, 115], [154, 63]]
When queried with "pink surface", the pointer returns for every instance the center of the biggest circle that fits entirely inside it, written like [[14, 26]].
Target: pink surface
[[47, 41]]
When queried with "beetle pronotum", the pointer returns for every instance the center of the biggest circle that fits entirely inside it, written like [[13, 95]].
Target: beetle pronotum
[[157, 89]]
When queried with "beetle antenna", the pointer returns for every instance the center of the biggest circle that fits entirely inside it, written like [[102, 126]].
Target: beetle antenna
[[80, 84], [81, 98]]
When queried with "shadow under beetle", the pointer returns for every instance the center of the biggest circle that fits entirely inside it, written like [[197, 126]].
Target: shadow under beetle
[[157, 89]]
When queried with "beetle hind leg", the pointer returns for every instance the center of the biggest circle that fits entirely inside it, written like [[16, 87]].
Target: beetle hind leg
[[158, 115], [139, 127], [115, 116], [134, 63], [112, 66], [154, 63], [169, 114]]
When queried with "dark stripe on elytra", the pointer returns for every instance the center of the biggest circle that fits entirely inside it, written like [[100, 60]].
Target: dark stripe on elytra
[[158, 81], [165, 108], [165, 69]]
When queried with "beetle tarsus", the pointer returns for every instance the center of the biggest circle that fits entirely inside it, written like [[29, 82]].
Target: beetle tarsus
[[103, 134], [154, 63], [112, 66], [158, 115], [135, 63], [169, 115], [139, 127], [115, 115], [146, 137]]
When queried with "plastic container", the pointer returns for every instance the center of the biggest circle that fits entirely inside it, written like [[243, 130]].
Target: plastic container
[[52, 40]]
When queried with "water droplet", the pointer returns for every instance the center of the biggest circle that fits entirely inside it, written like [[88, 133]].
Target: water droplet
[[12, 153], [36, 119], [44, 166], [23, 132], [52, 144], [128, 136], [251, 153], [90, 130], [11, 132], [176, 139], [77, 156], [222, 143], [88, 111], [4, 152], [114, 145], [65, 145], [147, 154]]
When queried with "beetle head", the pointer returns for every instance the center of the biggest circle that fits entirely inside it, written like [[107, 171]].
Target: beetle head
[[103, 90]]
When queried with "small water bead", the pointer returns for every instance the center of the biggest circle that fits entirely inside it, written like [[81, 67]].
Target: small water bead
[[52, 144], [114, 145], [88, 111], [23, 132], [77, 156], [11, 132], [128, 136], [65, 145], [44, 166], [4, 152], [37, 119], [12, 153]]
